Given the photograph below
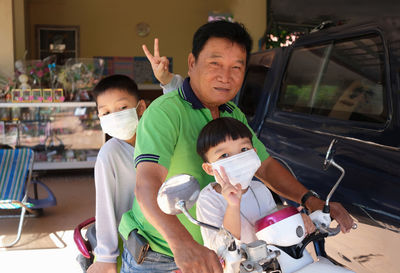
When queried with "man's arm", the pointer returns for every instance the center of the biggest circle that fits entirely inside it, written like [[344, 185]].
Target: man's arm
[[281, 181], [188, 254]]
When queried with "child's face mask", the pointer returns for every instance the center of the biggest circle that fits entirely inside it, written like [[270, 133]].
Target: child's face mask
[[121, 125], [239, 168]]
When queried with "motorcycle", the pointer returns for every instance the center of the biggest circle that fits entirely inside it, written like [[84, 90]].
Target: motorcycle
[[281, 243]]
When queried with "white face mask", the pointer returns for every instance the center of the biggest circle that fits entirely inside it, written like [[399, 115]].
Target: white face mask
[[121, 125], [239, 168]]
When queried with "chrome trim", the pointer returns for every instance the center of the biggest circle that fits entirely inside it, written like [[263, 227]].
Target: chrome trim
[[396, 149]]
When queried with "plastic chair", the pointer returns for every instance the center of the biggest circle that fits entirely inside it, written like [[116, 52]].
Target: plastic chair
[[15, 176]]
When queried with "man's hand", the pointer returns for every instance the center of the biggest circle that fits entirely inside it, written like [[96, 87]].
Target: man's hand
[[100, 267], [159, 64], [340, 214], [337, 211], [190, 257]]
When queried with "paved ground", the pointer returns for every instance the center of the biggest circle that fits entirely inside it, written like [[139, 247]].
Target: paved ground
[[47, 245]]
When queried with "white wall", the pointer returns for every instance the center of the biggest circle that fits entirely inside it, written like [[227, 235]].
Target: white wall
[[108, 27]]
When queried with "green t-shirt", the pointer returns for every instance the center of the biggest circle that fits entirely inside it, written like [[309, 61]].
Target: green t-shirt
[[167, 134]]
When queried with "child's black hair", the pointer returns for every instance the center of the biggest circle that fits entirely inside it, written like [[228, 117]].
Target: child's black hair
[[217, 131], [120, 82]]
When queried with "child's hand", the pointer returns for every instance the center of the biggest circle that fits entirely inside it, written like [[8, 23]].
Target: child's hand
[[308, 224], [232, 194], [158, 64]]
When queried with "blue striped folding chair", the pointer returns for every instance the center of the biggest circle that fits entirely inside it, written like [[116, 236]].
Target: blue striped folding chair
[[15, 176]]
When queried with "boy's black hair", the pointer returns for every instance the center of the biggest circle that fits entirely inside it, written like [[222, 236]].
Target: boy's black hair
[[217, 131], [234, 32], [120, 82]]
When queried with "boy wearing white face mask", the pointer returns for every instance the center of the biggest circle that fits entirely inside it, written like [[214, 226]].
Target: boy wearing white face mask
[[235, 200], [119, 108]]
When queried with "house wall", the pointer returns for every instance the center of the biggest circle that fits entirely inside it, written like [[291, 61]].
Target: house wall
[[108, 28], [20, 34]]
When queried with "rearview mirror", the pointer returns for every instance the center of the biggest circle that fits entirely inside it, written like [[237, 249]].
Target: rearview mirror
[[330, 154], [178, 188]]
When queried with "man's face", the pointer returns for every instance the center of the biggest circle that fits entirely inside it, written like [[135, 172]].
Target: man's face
[[217, 74]]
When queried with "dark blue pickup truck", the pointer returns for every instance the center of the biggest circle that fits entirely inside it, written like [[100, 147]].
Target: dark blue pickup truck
[[338, 83]]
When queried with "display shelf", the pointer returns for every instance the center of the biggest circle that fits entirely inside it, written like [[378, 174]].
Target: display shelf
[[48, 104], [73, 129], [16, 122], [64, 135], [37, 166]]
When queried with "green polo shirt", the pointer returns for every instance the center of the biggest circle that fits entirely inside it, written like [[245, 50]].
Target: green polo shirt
[[167, 134]]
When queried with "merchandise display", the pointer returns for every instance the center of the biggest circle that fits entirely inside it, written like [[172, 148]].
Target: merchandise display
[[80, 76], [63, 135], [50, 108], [44, 81]]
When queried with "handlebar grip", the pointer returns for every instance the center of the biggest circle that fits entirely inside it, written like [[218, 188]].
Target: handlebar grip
[[330, 231], [334, 231], [83, 245]]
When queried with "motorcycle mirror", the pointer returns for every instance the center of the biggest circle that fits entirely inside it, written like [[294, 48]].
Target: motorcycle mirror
[[176, 189], [327, 163], [330, 154]]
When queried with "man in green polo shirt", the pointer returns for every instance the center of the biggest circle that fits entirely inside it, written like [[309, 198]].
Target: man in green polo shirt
[[166, 146]]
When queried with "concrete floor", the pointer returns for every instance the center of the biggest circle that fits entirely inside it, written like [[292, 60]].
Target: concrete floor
[[47, 243]]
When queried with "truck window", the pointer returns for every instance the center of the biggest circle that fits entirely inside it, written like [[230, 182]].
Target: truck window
[[342, 80], [250, 94]]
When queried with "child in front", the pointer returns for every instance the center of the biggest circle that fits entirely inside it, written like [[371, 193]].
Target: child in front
[[235, 201]]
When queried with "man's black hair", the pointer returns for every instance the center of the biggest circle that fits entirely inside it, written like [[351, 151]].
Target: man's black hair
[[234, 32], [120, 82], [217, 131]]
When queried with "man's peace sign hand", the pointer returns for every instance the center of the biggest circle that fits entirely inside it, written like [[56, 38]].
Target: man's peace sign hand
[[158, 64]]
